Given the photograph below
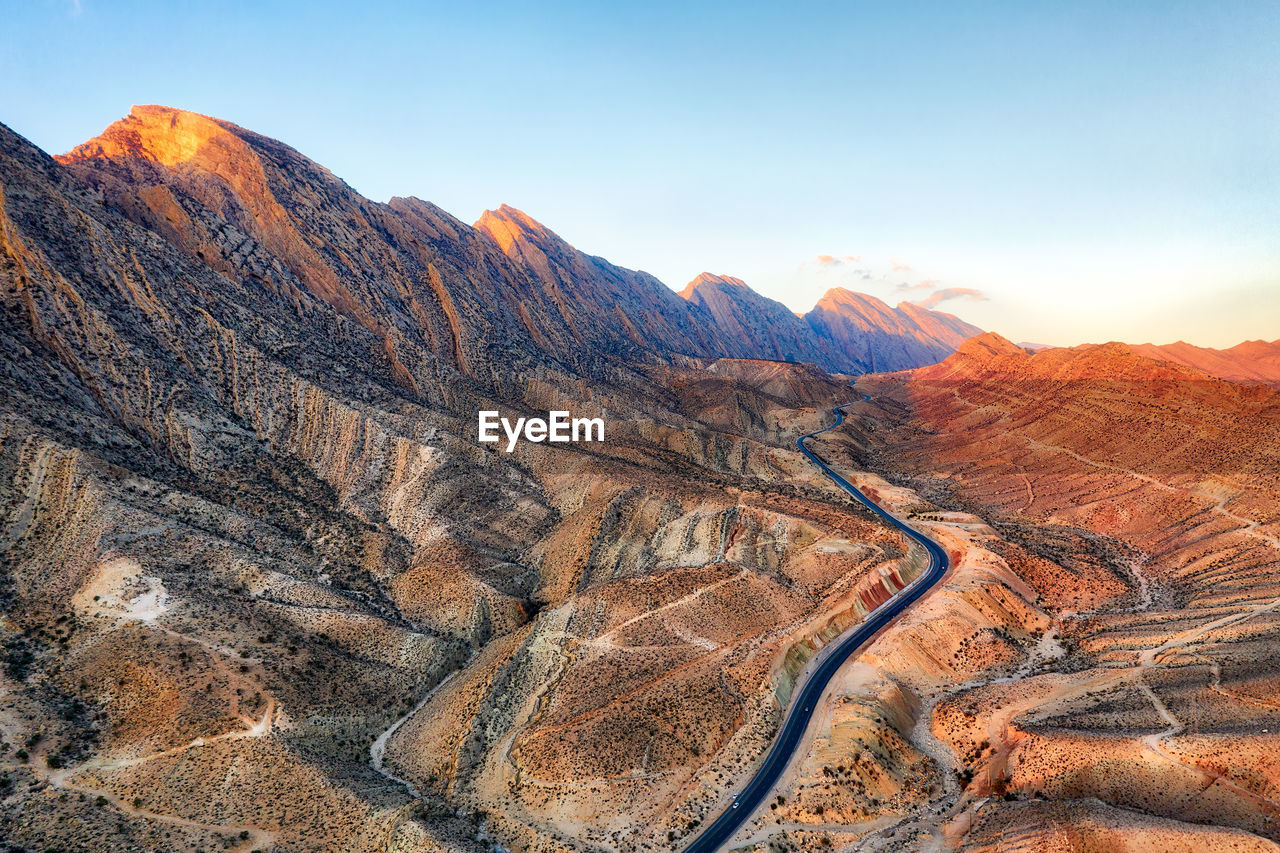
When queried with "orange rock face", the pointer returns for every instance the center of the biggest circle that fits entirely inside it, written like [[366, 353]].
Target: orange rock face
[[194, 148]]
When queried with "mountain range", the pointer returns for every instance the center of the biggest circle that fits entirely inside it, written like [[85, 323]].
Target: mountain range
[[1251, 361], [1248, 362], [417, 279], [248, 529], [262, 588]]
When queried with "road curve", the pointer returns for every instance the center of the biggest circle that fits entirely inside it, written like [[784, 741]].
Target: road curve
[[805, 701]]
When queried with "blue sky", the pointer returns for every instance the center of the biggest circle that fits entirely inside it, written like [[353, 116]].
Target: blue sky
[[1095, 171]]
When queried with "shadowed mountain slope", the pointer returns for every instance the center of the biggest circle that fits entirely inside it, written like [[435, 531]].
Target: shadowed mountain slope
[[435, 295]]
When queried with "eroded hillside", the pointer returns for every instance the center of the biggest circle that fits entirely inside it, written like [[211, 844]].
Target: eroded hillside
[[1127, 699], [263, 587]]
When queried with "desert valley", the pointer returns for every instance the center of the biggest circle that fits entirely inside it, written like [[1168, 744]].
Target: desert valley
[[265, 586]]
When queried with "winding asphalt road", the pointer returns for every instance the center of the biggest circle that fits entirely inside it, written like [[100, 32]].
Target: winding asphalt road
[[805, 701]]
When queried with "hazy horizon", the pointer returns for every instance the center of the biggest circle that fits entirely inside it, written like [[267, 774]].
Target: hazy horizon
[[1055, 175]]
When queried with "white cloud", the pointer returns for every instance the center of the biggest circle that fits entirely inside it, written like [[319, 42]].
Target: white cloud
[[940, 296]]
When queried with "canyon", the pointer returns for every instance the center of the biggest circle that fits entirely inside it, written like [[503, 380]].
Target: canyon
[[265, 586]]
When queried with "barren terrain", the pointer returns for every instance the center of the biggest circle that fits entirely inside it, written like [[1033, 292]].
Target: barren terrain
[[262, 589], [1133, 511]]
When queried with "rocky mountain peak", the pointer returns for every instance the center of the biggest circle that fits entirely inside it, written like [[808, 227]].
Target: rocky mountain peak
[[508, 225], [707, 279], [838, 296], [862, 305], [161, 134], [886, 338]]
